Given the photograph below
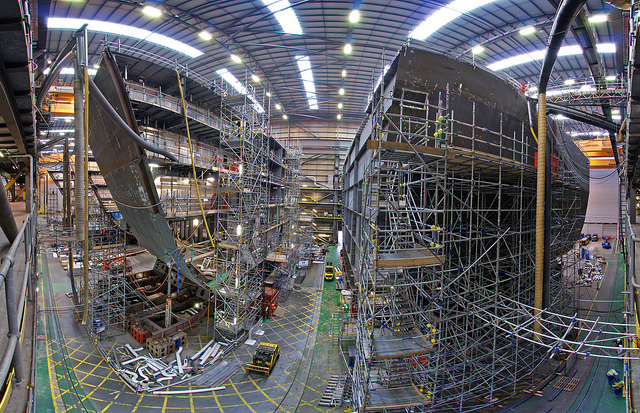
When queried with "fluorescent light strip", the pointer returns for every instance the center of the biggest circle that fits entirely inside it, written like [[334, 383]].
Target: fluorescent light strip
[[304, 64], [61, 130], [285, 15], [444, 15], [69, 71], [540, 54], [239, 87], [123, 30]]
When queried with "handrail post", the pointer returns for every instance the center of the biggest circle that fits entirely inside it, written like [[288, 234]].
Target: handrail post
[[14, 330]]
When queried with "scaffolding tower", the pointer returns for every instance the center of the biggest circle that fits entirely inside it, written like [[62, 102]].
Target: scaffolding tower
[[243, 196], [292, 207], [108, 269], [440, 225]]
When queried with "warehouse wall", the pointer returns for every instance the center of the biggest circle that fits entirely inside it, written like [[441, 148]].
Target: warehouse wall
[[602, 210]]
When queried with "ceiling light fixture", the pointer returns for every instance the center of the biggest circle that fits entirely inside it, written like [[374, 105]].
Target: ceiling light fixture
[[239, 87], [344, 72], [123, 30], [354, 16], [340, 105], [285, 15], [205, 35], [152, 11], [598, 18], [341, 91], [539, 55], [339, 116], [569, 82], [477, 49], [268, 94], [278, 106], [304, 65], [236, 58], [611, 78], [255, 78], [347, 48], [285, 117], [525, 31], [444, 15]]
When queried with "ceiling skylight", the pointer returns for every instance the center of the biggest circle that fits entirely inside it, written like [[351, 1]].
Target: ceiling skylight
[[123, 30], [239, 87], [304, 64], [445, 15], [540, 54], [285, 15]]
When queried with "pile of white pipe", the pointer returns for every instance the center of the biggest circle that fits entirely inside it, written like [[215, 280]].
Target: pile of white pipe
[[149, 374]]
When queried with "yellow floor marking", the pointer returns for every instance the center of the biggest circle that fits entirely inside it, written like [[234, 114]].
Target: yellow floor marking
[[242, 398], [137, 403], [89, 373], [107, 407], [262, 391], [215, 396], [164, 405], [51, 382]]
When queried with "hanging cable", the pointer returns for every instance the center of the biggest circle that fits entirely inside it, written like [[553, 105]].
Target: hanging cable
[[193, 165]]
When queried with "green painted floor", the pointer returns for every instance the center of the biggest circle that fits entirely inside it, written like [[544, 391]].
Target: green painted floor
[[327, 359]]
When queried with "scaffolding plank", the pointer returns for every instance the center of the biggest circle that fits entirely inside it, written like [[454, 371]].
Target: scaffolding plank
[[275, 257], [393, 347], [408, 258], [395, 398], [405, 147]]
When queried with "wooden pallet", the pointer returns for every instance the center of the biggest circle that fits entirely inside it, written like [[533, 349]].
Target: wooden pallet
[[560, 382], [573, 383]]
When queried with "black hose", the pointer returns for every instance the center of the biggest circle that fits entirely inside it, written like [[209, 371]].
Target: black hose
[[566, 14], [106, 106]]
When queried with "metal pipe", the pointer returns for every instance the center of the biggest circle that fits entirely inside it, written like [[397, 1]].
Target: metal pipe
[[566, 14], [540, 192], [29, 203], [168, 392], [85, 194], [12, 321], [7, 221], [179, 361], [202, 350], [78, 108]]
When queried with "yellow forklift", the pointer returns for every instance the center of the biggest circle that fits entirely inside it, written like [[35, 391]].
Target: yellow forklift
[[265, 358]]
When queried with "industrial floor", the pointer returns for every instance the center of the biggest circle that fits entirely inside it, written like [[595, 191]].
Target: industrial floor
[[72, 376], [593, 394]]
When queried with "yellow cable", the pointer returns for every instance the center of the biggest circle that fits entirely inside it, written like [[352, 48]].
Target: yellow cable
[[193, 167], [534, 135]]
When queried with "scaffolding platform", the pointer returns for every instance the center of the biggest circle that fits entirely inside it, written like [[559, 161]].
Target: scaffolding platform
[[408, 258], [275, 257], [397, 346], [395, 398]]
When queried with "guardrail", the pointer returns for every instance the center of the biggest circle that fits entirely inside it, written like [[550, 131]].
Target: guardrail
[[12, 353], [632, 301]]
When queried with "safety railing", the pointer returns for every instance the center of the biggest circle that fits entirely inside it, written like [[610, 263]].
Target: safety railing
[[15, 310], [632, 298]]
